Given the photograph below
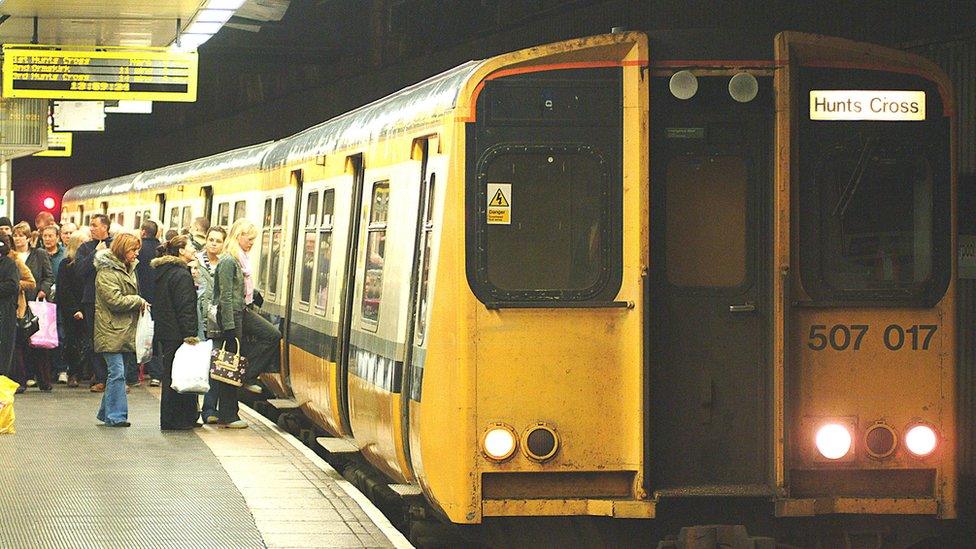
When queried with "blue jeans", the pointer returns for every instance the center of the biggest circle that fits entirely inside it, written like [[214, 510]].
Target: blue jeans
[[115, 405]]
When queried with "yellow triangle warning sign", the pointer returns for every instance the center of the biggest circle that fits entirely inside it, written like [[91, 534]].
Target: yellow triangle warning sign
[[499, 200]]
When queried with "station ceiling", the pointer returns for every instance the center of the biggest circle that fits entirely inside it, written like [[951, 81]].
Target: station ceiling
[[94, 22]]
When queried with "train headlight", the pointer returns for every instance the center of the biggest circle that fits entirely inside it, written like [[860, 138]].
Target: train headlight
[[499, 442], [921, 440], [833, 441]]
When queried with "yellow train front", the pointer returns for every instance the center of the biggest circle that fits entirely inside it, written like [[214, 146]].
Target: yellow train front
[[619, 277]]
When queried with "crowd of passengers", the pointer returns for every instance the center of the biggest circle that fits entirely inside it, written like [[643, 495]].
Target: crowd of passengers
[[101, 279]]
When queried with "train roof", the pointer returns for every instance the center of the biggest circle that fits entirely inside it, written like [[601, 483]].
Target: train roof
[[410, 107]]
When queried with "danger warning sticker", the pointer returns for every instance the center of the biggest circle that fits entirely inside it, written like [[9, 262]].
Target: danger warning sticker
[[499, 203]]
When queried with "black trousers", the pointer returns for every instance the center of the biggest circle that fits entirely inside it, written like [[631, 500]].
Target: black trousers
[[262, 345], [176, 411]]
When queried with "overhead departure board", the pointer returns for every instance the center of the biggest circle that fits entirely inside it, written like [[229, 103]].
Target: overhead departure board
[[50, 72]]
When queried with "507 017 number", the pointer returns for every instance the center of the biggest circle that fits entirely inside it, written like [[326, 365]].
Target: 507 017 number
[[843, 337]]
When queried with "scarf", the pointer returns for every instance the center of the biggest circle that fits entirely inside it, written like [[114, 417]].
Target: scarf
[[245, 264]]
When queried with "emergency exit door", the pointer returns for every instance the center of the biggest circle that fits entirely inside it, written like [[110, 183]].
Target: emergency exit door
[[709, 305]]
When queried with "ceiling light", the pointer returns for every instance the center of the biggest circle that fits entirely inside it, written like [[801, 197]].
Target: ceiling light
[[198, 27], [224, 4], [213, 16]]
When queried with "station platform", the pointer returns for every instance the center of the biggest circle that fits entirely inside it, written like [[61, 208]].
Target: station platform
[[66, 480]]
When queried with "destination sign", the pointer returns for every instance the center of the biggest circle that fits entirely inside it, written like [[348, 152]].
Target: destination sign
[[897, 105], [149, 74]]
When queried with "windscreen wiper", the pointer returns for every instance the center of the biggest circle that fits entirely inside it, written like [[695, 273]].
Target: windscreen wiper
[[854, 181]]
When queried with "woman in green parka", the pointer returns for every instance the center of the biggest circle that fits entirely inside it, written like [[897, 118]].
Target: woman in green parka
[[117, 309]]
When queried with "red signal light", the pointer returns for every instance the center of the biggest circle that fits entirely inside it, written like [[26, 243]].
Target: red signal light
[[49, 202]]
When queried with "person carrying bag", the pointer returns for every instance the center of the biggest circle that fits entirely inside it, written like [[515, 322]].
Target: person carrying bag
[[175, 313]]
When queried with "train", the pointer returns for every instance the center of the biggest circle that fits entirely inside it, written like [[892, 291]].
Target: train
[[616, 275]]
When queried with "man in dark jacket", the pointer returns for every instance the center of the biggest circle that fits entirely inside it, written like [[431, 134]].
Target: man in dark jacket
[[147, 282], [85, 271]]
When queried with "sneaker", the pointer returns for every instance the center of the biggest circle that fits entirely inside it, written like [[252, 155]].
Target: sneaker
[[154, 382], [212, 420], [31, 383], [254, 388], [63, 378], [46, 388], [97, 388], [119, 424], [72, 381], [239, 424]]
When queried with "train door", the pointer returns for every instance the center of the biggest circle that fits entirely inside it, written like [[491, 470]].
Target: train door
[[710, 373], [347, 297], [297, 182]]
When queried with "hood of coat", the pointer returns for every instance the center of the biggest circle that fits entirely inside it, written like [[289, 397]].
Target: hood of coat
[[105, 259], [168, 260]]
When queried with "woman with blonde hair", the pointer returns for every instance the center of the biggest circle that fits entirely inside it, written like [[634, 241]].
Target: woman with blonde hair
[[117, 308], [75, 345], [234, 295]]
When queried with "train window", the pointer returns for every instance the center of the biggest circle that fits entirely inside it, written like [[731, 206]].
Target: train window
[[312, 210], [87, 220], [308, 255], [265, 244], [267, 214], [324, 252], [555, 242], [276, 235], [375, 253], [146, 216], [874, 206], [328, 207], [174, 218], [223, 215], [121, 219], [111, 218], [138, 220], [706, 251], [423, 285], [187, 213], [308, 267], [279, 208], [240, 209]]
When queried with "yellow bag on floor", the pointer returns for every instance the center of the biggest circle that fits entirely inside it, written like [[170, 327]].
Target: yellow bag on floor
[[7, 388]]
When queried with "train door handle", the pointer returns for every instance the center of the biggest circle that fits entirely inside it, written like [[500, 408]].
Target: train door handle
[[746, 307]]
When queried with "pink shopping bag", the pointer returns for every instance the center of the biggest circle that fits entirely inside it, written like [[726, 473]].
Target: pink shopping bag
[[47, 316]]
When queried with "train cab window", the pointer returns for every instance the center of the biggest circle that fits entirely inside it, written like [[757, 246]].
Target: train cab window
[[324, 252], [706, 251], [375, 254], [240, 209], [873, 223], [309, 248], [545, 229], [423, 289], [223, 215]]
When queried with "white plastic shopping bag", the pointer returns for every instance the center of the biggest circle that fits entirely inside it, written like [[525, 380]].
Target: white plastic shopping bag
[[144, 337], [191, 368], [46, 336]]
